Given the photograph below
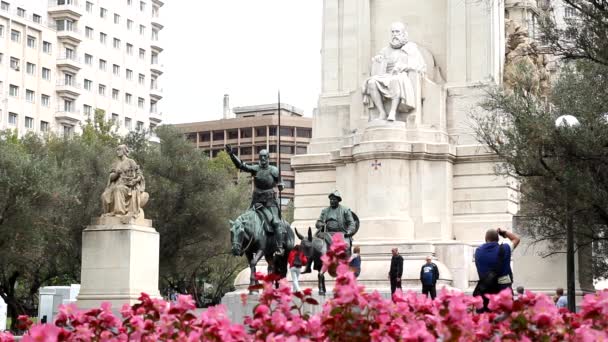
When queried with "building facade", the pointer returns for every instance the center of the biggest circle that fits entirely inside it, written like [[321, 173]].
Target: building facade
[[62, 59], [252, 129]]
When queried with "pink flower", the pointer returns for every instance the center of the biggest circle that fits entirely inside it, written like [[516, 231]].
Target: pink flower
[[42, 333], [502, 301], [6, 337], [588, 334], [261, 310], [545, 312]]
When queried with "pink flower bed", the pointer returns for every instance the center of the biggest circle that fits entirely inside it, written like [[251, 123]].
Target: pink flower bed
[[350, 315]]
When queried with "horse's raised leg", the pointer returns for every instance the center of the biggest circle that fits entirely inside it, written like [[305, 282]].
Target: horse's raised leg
[[321, 281], [253, 261]]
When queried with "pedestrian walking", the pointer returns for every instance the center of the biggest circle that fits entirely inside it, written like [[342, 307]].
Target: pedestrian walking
[[296, 260]]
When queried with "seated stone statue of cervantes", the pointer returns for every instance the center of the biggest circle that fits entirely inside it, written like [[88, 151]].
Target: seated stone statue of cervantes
[[125, 194], [390, 82]]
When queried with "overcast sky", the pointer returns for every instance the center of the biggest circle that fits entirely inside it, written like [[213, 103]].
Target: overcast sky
[[244, 48]]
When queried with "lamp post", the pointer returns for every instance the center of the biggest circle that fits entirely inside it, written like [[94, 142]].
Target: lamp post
[[569, 122]]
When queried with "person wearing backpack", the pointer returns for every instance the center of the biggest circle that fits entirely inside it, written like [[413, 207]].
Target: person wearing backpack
[[493, 262], [296, 260]]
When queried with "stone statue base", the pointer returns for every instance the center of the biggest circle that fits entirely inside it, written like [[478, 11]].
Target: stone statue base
[[119, 262], [375, 264]]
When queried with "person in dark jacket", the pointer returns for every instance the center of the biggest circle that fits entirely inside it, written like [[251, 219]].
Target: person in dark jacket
[[396, 271], [494, 276], [429, 274]]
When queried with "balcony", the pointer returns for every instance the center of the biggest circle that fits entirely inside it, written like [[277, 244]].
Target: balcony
[[157, 22], [68, 117], [155, 46], [156, 117], [156, 93], [65, 9], [69, 62], [70, 35], [157, 68], [68, 89]]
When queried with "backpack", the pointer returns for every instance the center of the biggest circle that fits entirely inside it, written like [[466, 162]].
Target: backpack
[[297, 261]]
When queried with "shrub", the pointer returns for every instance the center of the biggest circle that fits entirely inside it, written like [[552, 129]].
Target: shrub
[[352, 314]]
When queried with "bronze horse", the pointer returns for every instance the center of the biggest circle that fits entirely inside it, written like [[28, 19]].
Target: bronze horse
[[314, 247], [248, 237]]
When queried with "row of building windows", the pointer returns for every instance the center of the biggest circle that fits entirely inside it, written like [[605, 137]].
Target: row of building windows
[[103, 13], [31, 41], [71, 54], [248, 150], [116, 42], [128, 123], [28, 122], [15, 64], [5, 6], [30, 68], [30, 95], [47, 46], [259, 132]]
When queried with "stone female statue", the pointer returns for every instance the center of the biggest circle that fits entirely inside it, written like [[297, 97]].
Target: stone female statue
[[125, 194]]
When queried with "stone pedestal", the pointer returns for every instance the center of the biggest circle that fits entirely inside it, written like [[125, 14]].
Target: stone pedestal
[[119, 262]]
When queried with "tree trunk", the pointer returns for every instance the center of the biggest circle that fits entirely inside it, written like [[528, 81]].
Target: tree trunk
[[14, 308]]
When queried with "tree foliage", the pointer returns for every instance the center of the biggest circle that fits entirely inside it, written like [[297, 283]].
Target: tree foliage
[[50, 188], [584, 35], [191, 199], [563, 171]]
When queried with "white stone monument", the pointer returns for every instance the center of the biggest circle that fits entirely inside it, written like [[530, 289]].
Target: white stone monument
[[120, 250], [414, 173], [51, 297]]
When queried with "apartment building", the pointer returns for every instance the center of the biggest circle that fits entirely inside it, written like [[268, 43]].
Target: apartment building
[[62, 59], [251, 129]]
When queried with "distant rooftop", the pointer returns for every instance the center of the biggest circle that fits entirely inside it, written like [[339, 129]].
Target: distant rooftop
[[266, 109]]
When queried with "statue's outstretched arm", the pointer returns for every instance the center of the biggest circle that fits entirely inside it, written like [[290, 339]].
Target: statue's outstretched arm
[[237, 162]]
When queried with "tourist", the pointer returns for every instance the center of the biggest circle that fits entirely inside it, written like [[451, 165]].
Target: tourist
[[296, 259], [493, 262], [519, 292], [355, 261], [396, 271], [429, 274], [561, 301]]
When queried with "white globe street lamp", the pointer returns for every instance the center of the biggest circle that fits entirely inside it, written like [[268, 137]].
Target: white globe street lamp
[[569, 122]]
